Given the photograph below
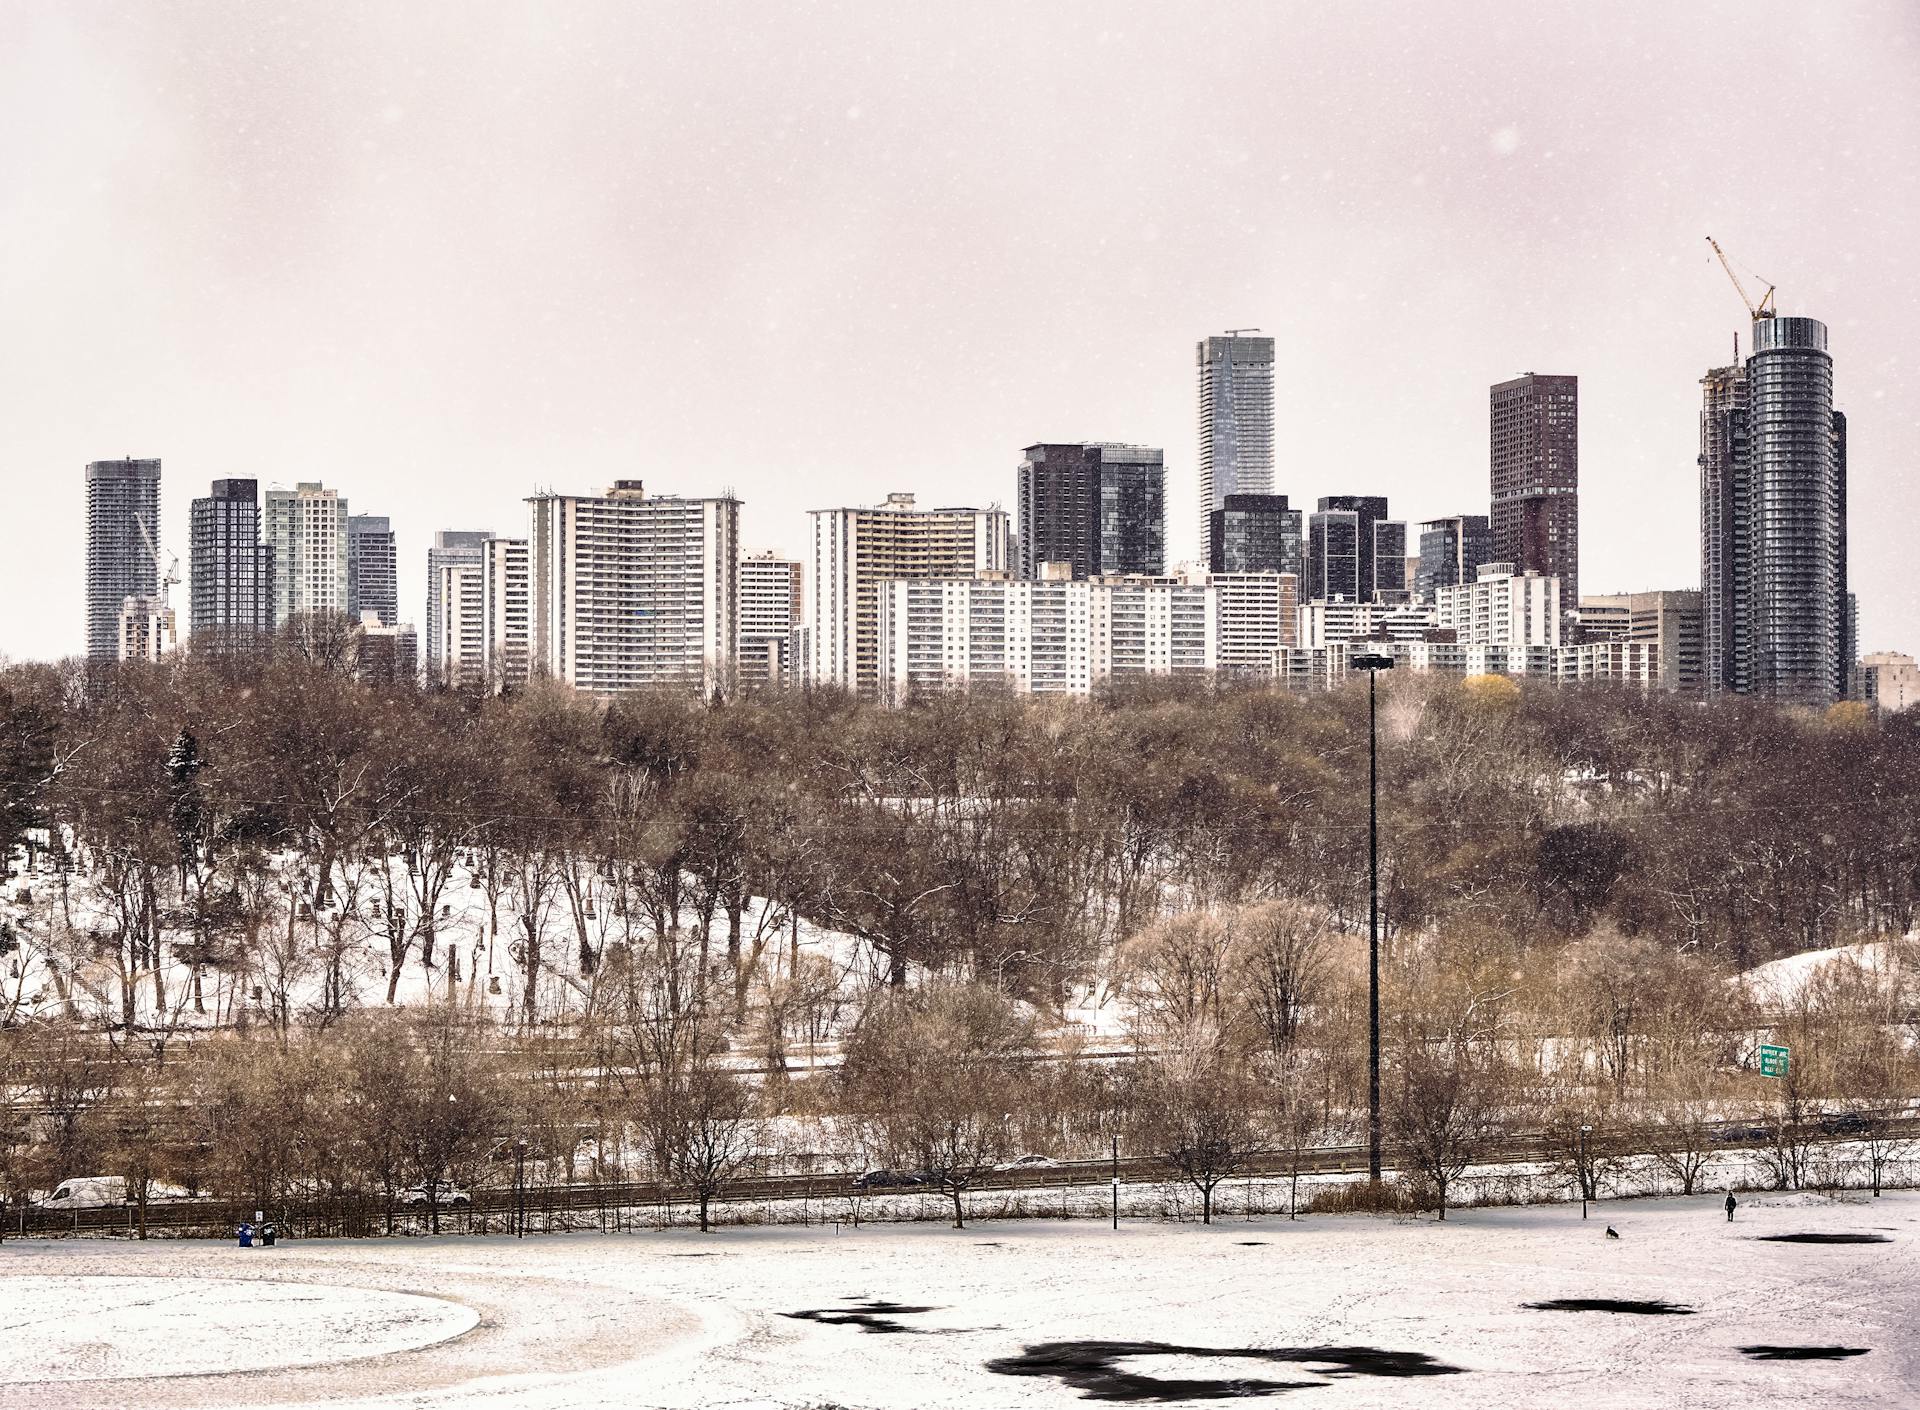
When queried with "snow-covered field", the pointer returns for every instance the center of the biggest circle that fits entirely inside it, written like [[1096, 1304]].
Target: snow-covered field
[[1366, 1311]]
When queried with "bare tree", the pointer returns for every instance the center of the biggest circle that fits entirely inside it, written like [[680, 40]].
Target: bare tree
[[1200, 1111], [1444, 1114], [935, 1073]]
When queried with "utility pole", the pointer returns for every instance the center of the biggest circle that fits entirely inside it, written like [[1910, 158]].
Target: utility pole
[[1373, 663], [1116, 1184]]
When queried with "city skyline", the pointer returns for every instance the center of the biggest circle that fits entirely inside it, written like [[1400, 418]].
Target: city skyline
[[1556, 215]]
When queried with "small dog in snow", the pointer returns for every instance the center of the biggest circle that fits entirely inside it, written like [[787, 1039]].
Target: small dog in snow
[[1612, 1232]]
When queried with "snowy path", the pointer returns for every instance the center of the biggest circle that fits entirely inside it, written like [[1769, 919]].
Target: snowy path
[[1363, 1311]]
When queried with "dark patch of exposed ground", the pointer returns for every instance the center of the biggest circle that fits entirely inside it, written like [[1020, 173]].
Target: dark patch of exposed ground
[[1095, 1369], [877, 1316], [1652, 1307], [1804, 1353]]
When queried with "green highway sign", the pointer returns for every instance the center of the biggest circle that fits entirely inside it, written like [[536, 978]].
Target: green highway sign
[[1773, 1060]]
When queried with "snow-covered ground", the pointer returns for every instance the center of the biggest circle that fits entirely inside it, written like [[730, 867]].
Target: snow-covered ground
[[1778, 983], [1367, 1311]]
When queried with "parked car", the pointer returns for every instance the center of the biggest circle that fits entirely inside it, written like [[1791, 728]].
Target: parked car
[[446, 1196], [1029, 1162], [87, 1192], [889, 1180]]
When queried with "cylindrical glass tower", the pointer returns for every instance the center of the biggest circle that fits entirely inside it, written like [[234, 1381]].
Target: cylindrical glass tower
[[1798, 607]]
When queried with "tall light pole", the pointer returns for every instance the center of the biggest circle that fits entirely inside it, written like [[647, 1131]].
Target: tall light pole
[[1585, 1131], [1373, 663]]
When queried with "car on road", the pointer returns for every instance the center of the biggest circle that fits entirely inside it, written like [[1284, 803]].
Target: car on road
[[1844, 1123], [890, 1180], [1029, 1162], [446, 1196]]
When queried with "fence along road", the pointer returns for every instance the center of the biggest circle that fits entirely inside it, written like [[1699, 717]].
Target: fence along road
[[628, 1204]]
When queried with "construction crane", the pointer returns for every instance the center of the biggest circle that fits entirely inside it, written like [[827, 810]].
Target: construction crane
[[1764, 308], [168, 575]]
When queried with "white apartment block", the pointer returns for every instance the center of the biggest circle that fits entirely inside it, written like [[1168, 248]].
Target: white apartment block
[[856, 551], [1612, 662], [1889, 681], [145, 630], [504, 597], [1257, 614], [771, 606], [629, 591], [1502, 608], [307, 527], [1632, 663], [1053, 636], [1333, 621], [457, 655]]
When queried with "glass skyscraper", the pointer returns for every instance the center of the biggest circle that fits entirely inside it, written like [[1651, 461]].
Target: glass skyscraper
[[1773, 520], [1236, 423], [1097, 505], [1256, 533], [123, 527], [231, 570]]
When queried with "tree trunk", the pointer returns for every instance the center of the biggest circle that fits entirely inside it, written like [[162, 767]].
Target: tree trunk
[[959, 1212]]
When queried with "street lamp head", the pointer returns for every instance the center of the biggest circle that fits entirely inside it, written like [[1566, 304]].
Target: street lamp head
[[1585, 1129], [1370, 661]]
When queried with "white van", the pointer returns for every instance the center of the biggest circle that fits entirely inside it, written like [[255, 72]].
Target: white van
[[87, 1192]]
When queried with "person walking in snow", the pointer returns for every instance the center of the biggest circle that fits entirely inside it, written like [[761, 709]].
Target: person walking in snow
[[1732, 1204]]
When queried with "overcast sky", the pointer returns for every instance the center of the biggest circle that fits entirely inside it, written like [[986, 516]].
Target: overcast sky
[[438, 255]]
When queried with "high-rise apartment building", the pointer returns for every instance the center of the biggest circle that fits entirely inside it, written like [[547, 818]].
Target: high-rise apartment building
[[373, 569], [457, 654], [1051, 636], [449, 547], [230, 571], [123, 534], [1386, 575], [1257, 533], [1236, 423], [1096, 505], [1776, 614], [1256, 613], [1327, 623], [771, 606], [1534, 440], [1451, 552], [504, 589], [1502, 607], [146, 629], [1726, 550], [1669, 622], [630, 590], [1890, 682], [1365, 576], [857, 550], [386, 655], [306, 527], [1333, 556]]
